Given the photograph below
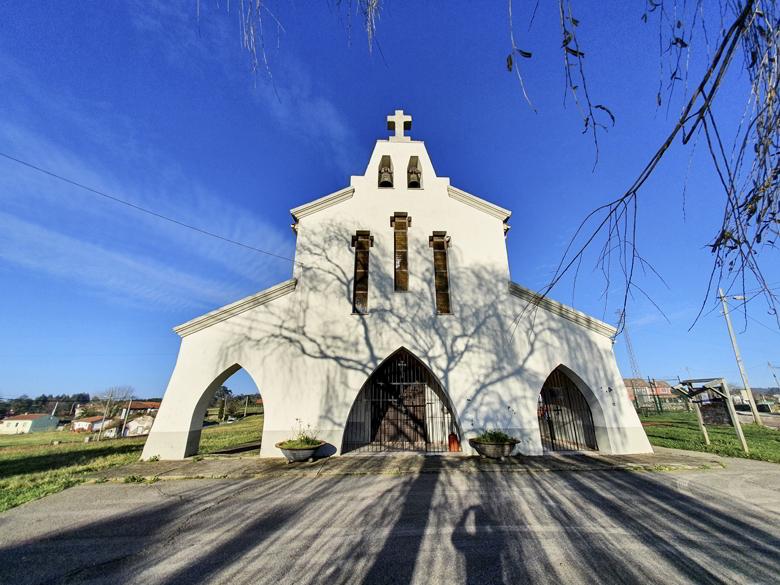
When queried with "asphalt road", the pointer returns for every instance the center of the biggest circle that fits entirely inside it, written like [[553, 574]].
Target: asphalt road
[[448, 527], [770, 420]]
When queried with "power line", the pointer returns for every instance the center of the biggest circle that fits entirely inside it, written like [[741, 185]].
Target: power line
[[142, 209], [767, 327]]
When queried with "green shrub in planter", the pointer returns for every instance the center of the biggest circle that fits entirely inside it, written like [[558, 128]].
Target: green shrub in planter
[[302, 447], [495, 437], [494, 444]]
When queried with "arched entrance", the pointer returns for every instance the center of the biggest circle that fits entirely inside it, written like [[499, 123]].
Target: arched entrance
[[401, 407], [565, 419], [234, 416]]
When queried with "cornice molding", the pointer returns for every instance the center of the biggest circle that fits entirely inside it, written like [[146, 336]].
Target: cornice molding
[[233, 309], [562, 310], [477, 203], [322, 203]]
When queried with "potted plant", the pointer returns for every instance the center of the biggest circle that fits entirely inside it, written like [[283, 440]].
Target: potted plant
[[493, 444], [302, 447]]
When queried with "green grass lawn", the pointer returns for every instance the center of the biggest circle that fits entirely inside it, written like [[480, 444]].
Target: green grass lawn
[[680, 430], [219, 437], [31, 467]]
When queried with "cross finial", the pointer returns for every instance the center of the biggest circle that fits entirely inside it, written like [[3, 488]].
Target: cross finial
[[399, 122]]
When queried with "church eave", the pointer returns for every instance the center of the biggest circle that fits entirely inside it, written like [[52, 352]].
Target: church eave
[[477, 203], [321, 203], [233, 309], [562, 310]]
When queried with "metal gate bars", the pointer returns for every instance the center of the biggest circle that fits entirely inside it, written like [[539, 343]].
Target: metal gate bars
[[565, 420], [401, 407]]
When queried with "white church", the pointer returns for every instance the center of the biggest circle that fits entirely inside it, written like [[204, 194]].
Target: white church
[[401, 329]]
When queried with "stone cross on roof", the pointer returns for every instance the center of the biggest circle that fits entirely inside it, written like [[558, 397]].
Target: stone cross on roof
[[399, 122]]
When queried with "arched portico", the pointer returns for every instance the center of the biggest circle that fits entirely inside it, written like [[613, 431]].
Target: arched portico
[[402, 406], [178, 425], [565, 411]]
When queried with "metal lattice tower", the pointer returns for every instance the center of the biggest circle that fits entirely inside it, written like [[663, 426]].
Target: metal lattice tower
[[635, 372]]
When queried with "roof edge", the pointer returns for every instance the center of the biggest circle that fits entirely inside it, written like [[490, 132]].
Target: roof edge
[[233, 309], [322, 203], [477, 203], [565, 311]]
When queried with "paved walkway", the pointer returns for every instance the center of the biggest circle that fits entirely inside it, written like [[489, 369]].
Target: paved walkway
[[242, 466], [409, 520]]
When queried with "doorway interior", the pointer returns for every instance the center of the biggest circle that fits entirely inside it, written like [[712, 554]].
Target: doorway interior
[[401, 407]]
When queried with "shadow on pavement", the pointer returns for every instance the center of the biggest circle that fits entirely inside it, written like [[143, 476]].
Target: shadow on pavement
[[429, 526]]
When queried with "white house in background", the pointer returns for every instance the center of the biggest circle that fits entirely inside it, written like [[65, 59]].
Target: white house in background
[[28, 423], [90, 424], [401, 328], [140, 407], [139, 426]]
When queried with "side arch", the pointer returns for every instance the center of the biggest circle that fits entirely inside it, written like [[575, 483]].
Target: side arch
[[402, 406], [565, 409], [177, 428]]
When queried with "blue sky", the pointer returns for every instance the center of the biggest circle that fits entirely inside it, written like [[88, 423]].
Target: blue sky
[[147, 102]]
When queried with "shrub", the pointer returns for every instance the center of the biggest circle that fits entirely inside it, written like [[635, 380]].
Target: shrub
[[303, 438], [494, 437]]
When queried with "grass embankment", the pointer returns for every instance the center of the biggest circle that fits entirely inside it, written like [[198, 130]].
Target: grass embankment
[[679, 430], [31, 467]]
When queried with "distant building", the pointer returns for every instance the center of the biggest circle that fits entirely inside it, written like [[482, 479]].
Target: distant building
[[140, 407], [89, 424], [639, 389], [28, 423], [139, 426]]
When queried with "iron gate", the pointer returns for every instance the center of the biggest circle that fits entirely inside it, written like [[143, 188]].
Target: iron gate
[[401, 407], [565, 420]]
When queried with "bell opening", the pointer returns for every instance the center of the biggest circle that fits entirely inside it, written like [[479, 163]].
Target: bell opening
[[414, 173], [385, 172]]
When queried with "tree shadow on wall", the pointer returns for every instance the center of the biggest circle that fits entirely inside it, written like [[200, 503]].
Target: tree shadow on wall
[[481, 340]]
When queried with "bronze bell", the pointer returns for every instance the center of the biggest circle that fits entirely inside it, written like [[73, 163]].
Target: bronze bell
[[414, 173], [385, 177]]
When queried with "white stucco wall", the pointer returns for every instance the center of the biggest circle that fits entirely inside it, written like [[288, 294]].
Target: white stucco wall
[[309, 355], [15, 427], [18, 427]]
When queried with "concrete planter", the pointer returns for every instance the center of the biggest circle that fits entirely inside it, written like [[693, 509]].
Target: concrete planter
[[299, 453], [493, 450]]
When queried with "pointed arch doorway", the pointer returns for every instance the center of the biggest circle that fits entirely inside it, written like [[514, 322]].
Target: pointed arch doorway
[[401, 407], [565, 418]]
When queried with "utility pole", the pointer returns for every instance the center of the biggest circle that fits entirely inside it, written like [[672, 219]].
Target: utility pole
[[224, 409], [246, 405], [105, 412], [742, 372], [127, 413]]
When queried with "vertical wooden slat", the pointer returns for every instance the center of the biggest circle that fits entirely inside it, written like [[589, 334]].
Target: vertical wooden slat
[[400, 221], [440, 242], [362, 242]]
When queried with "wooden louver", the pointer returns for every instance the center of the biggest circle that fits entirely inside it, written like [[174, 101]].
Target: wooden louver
[[400, 221], [440, 242], [362, 242]]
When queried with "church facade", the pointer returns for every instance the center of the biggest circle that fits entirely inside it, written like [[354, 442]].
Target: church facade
[[401, 329]]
